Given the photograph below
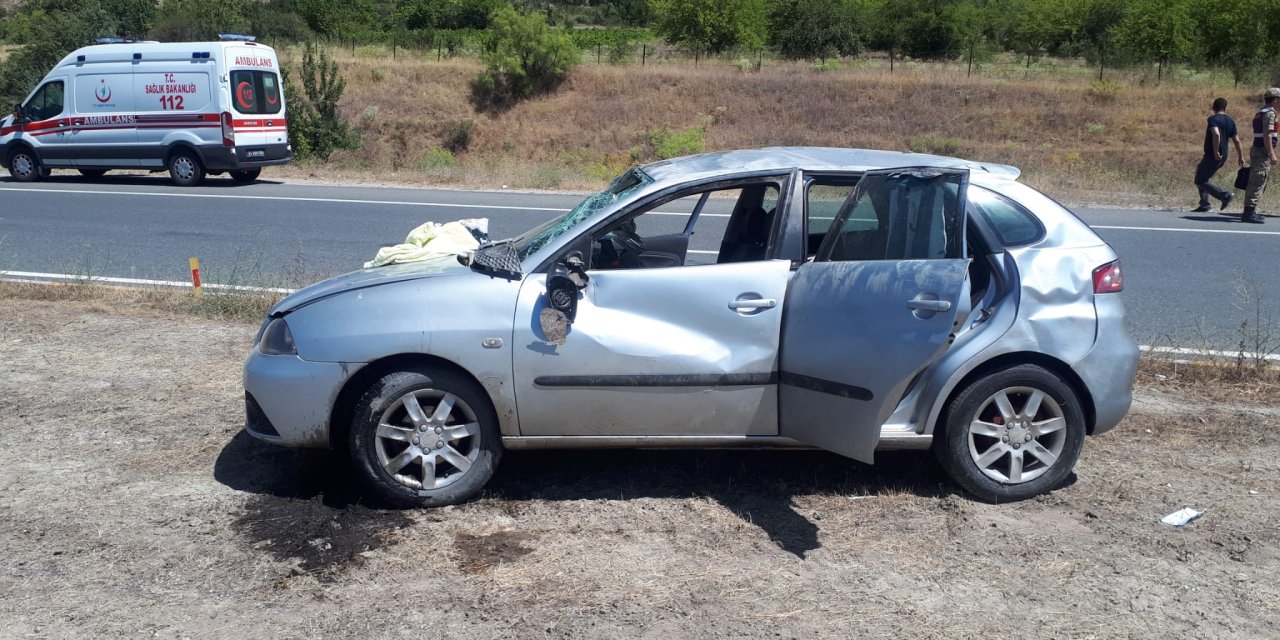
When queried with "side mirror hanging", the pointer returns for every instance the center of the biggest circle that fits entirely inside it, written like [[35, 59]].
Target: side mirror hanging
[[564, 281]]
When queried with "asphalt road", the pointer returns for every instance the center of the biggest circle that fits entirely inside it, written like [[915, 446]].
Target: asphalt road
[[1191, 279]]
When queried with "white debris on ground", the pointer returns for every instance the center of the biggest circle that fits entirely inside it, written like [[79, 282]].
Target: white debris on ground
[[1182, 517]]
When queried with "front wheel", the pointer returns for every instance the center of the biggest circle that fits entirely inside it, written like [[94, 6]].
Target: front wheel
[[1012, 435], [246, 176], [24, 167], [424, 438], [185, 169]]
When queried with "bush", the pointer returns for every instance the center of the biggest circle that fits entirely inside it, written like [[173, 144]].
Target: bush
[[457, 136], [1104, 90], [437, 159], [523, 58], [316, 128], [672, 144]]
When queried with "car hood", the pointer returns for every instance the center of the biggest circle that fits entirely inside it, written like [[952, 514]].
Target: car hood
[[365, 278]]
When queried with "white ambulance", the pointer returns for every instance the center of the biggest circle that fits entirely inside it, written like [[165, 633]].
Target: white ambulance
[[191, 109]]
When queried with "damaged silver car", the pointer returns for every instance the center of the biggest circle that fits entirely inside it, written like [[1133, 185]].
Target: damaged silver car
[[849, 300]]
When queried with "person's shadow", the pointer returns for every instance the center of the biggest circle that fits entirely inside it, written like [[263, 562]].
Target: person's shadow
[[758, 486]]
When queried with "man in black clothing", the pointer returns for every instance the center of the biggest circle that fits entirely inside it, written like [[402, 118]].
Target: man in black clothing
[[1218, 131]]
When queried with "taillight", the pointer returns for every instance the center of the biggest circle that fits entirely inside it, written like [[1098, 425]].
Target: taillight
[[1108, 278], [228, 131]]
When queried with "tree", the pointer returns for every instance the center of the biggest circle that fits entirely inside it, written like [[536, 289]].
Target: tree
[[52, 29], [972, 22], [1160, 30], [1030, 27], [195, 20], [523, 57], [712, 26], [1098, 28], [1235, 33], [917, 28], [316, 127], [807, 29]]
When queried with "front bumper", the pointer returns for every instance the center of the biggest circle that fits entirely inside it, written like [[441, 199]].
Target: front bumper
[[288, 400], [1110, 366], [245, 157]]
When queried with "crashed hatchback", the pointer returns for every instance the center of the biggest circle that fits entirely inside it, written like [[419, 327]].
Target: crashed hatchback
[[849, 300]]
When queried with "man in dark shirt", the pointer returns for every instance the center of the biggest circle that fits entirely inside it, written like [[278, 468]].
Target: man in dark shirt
[[1218, 131]]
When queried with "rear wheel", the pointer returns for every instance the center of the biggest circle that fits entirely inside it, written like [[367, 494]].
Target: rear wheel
[[185, 169], [246, 176], [424, 438], [1012, 435], [24, 167], [93, 174]]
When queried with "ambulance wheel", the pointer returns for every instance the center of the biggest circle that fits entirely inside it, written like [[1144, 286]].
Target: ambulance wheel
[[24, 167], [185, 169], [93, 174], [246, 176]]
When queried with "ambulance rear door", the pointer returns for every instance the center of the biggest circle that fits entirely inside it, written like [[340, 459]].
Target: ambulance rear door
[[257, 100]]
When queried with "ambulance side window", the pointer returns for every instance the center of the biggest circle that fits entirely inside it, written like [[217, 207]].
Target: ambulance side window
[[47, 102]]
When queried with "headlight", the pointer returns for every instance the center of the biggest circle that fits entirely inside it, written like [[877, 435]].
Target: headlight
[[277, 340]]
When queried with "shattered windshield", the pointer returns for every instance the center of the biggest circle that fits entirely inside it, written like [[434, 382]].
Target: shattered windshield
[[536, 238]]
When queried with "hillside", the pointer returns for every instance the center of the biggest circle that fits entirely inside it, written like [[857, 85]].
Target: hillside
[[1120, 142]]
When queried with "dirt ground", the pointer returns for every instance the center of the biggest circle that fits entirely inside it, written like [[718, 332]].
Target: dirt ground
[[131, 505]]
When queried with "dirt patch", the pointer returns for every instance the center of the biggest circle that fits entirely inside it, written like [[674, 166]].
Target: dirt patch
[[322, 539], [484, 552], [132, 505]]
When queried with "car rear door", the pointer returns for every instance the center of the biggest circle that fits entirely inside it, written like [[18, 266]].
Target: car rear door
[[874, 308]]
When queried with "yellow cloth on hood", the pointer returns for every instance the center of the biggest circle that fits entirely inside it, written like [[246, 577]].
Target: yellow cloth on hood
[[429, 241]]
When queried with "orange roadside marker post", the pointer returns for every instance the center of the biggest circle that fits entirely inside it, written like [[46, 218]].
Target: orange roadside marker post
[[195, 275]]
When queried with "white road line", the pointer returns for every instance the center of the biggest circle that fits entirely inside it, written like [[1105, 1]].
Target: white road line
[[399, 203], [32, 277], [1185, 230], [1211, 353], [278, 198]]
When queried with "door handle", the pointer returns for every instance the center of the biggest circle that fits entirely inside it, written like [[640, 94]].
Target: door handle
[[756, 303], [924, 304]]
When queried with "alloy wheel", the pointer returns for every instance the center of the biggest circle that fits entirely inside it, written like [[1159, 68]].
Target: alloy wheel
[[1017, 434], [428, 439]]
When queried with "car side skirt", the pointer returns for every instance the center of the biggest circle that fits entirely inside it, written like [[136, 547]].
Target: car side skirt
[[894, 440]]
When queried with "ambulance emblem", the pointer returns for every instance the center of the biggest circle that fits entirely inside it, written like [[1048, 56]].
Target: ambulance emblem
[[103, 93]]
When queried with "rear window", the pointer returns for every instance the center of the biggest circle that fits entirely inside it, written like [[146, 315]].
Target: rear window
[[1013, 224], [256, 92]]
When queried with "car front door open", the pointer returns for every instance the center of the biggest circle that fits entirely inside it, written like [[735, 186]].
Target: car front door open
[[874, 308]]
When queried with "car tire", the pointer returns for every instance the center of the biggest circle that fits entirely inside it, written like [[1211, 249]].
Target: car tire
[[398, 454], [246, 176], [185, 169], [999, 447], [92, 174], [24, 167]]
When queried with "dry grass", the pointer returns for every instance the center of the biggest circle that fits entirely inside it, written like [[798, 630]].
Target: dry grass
[[1131, 143], [238, 307], [131, 497]]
